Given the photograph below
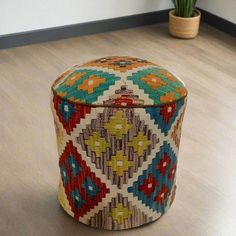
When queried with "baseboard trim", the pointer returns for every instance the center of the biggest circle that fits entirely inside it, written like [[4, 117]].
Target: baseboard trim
[[69, 31], [94, 27], [218, 22]]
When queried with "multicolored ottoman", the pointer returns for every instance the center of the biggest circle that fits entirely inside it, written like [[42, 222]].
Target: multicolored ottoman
[[118, 125]]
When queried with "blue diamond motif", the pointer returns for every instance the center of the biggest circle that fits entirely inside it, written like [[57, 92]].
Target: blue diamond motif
[[90, 187], [64, 174], [77, 198], [155, 114], [152, 169], [67, 110], [74, 165]]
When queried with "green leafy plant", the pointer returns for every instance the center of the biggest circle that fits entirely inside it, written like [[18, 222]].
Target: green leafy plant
[[184, 8]]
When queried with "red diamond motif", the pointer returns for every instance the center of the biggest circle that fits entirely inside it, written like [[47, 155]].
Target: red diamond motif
[[148, 185], [167, 111], [162, 195], [163, 164], [69, 114], [77, 182]]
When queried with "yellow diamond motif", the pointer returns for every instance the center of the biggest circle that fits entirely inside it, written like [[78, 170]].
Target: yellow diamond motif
[[119, 163], [97, 144], [118, 125], [139, 143], [120, 213]]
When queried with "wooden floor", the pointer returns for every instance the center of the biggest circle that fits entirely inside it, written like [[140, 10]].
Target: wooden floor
[[206, 196]]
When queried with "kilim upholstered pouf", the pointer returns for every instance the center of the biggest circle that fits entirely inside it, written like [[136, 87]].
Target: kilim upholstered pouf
[[118, 124]]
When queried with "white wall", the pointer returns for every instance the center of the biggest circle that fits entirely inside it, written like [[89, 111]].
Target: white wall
[[223, 8], [25, 15]]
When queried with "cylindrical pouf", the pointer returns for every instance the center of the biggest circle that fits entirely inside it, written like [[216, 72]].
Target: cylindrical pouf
[[118, 124]]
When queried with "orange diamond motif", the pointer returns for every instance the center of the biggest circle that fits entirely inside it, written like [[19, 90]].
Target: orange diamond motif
[[71, 80], [153, 81], [91, 83]]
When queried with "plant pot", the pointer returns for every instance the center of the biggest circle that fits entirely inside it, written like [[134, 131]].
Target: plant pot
[[184, 27]]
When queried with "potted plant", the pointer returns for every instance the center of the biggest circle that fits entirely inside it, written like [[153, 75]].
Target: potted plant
[[184, 20]]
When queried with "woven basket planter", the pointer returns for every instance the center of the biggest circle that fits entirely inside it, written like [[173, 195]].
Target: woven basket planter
[[118, 125], [184, 27]]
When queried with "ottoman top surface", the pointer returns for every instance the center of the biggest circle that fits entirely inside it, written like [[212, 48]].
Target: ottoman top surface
[[120, 82]]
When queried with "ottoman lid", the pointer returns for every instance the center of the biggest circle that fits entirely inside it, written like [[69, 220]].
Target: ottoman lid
[[119, 81]]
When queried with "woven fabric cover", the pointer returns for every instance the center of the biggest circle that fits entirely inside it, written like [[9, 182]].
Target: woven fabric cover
[[118, 125]]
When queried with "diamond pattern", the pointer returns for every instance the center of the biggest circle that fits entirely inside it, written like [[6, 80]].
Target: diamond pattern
[[153, 189], [77, 198], [162, 195], [74, 166], [118, 124], [93, 82], [160, 86], [149, 187], [83, 189], [69, 114], [119, 212], [165, 116], [87, 87], [104, 138], [119, 163], [164, 164], [97, 144], [90, 187]]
